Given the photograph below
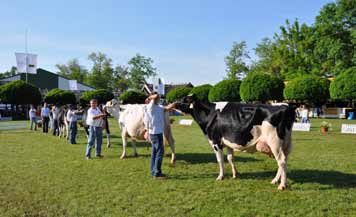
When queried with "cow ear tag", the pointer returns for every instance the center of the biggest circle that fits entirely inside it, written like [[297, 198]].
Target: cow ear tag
[[191, 106]]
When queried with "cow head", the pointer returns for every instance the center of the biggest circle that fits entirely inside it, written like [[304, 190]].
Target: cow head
[[186, 104]]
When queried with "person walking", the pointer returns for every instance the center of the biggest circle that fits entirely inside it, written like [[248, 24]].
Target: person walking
[[154, 127], [72, 119], [45, 118], [33, 119], [95, 122], [55, 115]]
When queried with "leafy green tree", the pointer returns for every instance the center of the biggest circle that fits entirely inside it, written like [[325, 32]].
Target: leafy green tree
[[226, 90], [101, 95], [344, 85], [140, 69], [133, 97], [177, 93], [261, 87], [122, 80], [19, 93], [9, 73], [101, 74], [310, 88], [202, 92], [73, 70], [61, 97], [236, 66]]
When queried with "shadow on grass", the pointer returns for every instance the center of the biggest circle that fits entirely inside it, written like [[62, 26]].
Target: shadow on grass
[[334, 178], [198, 158]]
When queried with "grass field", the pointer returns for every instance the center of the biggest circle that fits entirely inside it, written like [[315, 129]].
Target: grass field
[[41, 175]]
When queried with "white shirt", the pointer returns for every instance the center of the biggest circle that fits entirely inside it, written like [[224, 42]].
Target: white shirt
[[56, 113], [45, 112], [154, 118], [90, 117], [71, 116], [32, 113], [304, 113]]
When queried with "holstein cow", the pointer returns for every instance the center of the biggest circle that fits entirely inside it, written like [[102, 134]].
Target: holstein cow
[[244, 127], [63, 124], [131, 122]]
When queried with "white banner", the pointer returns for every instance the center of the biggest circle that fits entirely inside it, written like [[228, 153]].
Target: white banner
[[186, 122], [26, 63], [158, 86], [348, 128], [301, 127], [73, 85]]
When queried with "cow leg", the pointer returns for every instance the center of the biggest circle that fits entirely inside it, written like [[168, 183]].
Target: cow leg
[[230, 159], [134, 147], [108, 144], [170, 140], [124, 143], [282, 164], [86, 129], [220, 159], [67, 131]]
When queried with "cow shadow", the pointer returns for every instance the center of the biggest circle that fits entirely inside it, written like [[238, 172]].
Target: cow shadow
[[333, 178], [199, 158]]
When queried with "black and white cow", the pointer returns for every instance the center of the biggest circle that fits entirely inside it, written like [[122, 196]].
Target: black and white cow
[[244, 127]]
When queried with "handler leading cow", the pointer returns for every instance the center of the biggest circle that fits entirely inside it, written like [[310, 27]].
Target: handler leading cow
[[244, 127]]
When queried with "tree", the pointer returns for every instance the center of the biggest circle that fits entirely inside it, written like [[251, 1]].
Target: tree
[[122, 80], [261, 87], [177, 93], [9, 73], [310, 88], [19, 93], [140, 69], [101, 74], [235, 61], [61, 97], [133, 97], [101, 95], [226, 90], [73, 70], [201, 92], [344, 85]]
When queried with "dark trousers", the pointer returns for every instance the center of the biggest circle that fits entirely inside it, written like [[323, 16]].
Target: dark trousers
[[55, 127], [45, 122], [157, 154], [72, 132]]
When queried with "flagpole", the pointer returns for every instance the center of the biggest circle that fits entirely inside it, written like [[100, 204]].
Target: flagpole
[[26, 55]]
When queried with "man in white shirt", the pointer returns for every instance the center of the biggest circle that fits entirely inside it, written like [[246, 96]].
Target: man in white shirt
[[95, 122], [45, 117], [154, 126], [72, 119], [32, 114]]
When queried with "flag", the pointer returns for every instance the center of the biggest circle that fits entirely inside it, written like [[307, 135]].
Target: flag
[[73, 85], [26, 63]]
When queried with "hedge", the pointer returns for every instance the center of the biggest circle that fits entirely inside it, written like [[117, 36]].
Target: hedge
[[20, 93], [61, 97], [101, 95], [344, 85], [133, 97], [177, 93], [226, 90], [201, 92]]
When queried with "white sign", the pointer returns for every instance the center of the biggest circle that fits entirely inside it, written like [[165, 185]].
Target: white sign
[[301, 127], [186, 122], [348, 128], [26, 63], [73, 85], [158, 86]]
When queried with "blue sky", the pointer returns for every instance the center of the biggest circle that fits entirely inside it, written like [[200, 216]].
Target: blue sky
[[187, 40]]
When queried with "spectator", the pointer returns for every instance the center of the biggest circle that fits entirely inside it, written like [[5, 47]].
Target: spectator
[[32, 114], [72, 119], [95, 122], [304, 114], [45, 117]]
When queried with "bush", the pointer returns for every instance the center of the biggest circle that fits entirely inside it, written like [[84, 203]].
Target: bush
[[261, 87], [19, 93], [101, 95], [61, 97], [344, 85], [177, 93], [226, 90], [311, 88], [133, 97], [202, 92]]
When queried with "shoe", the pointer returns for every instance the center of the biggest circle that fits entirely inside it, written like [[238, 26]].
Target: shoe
[[99, 156], [87, 158], [160, 177]]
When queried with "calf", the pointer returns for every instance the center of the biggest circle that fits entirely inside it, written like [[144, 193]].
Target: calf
[[244, 127]]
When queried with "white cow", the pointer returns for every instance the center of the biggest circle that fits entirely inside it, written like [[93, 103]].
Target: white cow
[[131, 122]]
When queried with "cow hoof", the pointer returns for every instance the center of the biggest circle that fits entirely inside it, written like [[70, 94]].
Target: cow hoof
[[108, 145], [274, 181], [135, 155], [281, 187], [220, 178], [123, 157]]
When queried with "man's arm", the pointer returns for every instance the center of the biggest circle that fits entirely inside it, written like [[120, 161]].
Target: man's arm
[[99, 116], [169, 107]]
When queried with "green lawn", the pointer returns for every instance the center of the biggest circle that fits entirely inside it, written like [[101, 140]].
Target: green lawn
[[41, 175]]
